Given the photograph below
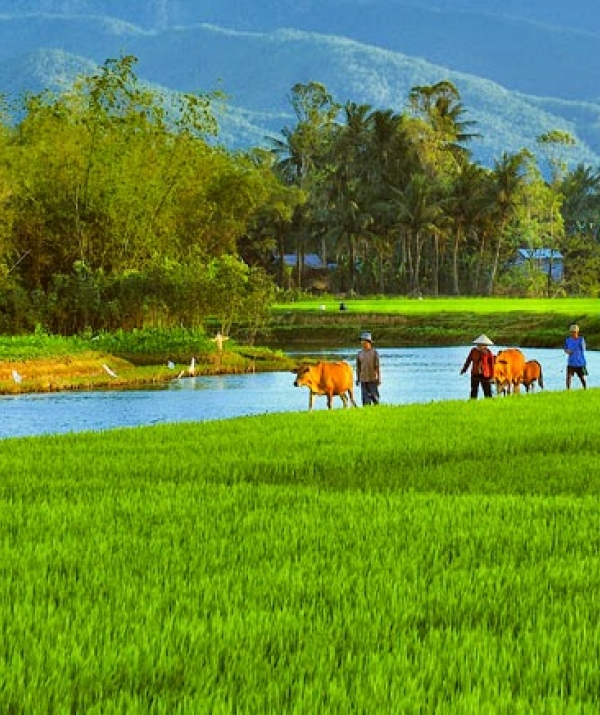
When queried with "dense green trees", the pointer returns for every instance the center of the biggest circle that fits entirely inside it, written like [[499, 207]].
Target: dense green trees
[[410, 212], [118, 207], [117, 210]]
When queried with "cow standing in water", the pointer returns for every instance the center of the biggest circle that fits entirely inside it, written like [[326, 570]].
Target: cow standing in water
[[508, 371], [532, 374], [326, 378]]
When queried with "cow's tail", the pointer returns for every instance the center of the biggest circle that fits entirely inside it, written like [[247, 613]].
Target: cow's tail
[[541, 377]]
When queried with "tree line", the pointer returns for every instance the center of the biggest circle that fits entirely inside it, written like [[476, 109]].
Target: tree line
[[119, 208]]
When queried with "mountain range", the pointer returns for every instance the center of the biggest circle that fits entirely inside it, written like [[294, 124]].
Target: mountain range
[[522, 68]]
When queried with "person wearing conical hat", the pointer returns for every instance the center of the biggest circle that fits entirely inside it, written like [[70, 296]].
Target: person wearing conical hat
[[481, 359], [368, 375]]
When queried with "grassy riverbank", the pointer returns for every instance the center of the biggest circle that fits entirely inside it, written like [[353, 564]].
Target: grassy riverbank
[[442, 556], [50, 363], [44, 363], [91, 370]]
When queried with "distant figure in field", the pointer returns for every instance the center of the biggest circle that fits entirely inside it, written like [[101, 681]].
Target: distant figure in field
[[219, 339]]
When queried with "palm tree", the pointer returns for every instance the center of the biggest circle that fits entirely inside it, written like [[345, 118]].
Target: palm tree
[[505, 191], [581, 206], [350, 176], [466, 204], [392, 161], [301, 153], [420, 215], [439, 104]]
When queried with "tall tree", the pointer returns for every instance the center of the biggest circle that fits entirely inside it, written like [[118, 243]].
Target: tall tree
[[421, 218], [440, 106], [538, 219], [581, 205], [301, 151], [466, 205], [505, 192], [553, 145], [347, 186]]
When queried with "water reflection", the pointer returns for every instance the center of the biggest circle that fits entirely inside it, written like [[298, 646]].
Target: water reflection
[[409, 375]]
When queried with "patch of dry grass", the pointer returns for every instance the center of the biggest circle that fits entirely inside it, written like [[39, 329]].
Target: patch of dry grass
[[87, 371], [79, 371]]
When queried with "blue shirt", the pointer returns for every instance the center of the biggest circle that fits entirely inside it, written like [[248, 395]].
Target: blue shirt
[[577, 346]]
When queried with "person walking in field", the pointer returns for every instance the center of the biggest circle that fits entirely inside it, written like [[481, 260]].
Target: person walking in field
[[481, 359], [368, 375], [576, 361]]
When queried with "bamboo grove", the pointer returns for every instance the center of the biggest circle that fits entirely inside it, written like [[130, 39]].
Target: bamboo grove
[[119, 208]]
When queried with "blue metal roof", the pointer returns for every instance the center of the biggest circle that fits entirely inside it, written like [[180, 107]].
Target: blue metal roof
[[540, 254], [311, 260]]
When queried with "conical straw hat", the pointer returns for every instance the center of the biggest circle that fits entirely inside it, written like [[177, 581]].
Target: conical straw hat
[[482, 340]]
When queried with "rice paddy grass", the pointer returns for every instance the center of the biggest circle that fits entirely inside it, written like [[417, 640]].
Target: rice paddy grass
[[528, 322], [480, 305], [424, 558]]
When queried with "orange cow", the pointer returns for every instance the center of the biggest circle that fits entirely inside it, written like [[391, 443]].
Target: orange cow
[[326, 378], [508, 371], [533, 373]]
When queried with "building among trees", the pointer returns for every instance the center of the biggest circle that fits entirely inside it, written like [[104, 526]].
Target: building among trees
[[547, 260]]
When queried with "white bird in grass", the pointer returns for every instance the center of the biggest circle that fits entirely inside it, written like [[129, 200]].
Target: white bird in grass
[[109, 371], [171, 365], [16, 377], [192, 367]]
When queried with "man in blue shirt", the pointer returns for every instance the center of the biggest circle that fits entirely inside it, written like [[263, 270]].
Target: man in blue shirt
[[576, 363]]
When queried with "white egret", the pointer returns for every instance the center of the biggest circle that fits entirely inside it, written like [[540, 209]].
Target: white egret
[[109, 370]]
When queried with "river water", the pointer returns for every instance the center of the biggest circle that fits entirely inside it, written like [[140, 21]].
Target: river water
[[409, 375]]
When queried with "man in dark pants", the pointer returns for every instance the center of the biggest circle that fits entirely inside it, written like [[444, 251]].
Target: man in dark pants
[[481, 358], [367, 371]]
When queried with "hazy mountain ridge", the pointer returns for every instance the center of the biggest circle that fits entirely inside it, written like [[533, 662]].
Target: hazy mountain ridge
[[257, 70], [55, 70], [268, 14], [518, 51], [576, 14], [536, 48]]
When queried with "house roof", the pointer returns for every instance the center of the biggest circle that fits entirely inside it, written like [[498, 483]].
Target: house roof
[[311, 260], [539, 254]]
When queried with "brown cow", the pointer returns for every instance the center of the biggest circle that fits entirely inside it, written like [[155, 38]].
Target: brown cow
[[326, 378], [508, 371], [531, 374]]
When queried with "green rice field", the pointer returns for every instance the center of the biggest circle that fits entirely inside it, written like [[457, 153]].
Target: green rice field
[[479, 305], [439, 558]]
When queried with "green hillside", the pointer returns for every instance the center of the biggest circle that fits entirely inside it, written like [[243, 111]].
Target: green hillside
[[257, 71]]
